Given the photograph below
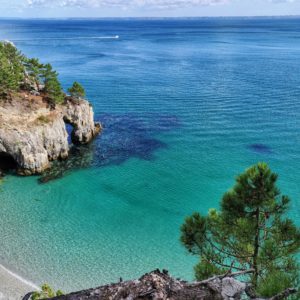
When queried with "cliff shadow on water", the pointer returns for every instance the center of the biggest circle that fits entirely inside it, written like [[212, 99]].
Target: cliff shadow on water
[[124, 136]]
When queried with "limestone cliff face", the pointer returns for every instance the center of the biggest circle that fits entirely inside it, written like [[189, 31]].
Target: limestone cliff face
[[80, 114], [33, 148], [33, 134]]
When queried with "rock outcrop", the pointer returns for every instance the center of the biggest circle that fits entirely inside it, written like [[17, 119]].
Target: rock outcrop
[[33, 134], [160, 286], [80, 115]]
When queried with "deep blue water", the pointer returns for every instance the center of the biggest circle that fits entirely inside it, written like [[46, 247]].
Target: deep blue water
[[186, 105]]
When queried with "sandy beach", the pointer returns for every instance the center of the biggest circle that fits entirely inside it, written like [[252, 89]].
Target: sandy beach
[[12, 286]]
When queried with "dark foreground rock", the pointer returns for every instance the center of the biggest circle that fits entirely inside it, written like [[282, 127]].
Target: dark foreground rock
[[159, 285]]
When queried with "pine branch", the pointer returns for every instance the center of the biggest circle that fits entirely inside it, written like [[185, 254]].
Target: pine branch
[[228, 274], [222, 251], [224, 265]]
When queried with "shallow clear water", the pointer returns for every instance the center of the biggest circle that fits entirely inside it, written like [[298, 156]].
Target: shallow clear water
[[186, 105]]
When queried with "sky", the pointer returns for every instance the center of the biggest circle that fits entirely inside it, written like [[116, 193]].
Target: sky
[[146, 8]]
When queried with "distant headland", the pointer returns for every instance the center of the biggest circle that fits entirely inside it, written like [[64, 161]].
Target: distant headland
[[34, 112]]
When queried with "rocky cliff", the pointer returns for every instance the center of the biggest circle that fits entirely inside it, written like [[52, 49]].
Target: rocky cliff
[[33, 134], [159, 285]]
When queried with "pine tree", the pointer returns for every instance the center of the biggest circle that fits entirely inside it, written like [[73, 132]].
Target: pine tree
[[34, 69], [12, 71], [77, 90], [19, 72], [52, 85], [249, 232]]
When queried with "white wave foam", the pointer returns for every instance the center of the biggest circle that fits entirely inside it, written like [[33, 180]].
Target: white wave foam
[[20, 278]]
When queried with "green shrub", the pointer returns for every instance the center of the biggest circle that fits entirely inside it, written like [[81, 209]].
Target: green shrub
[[77, 90], [274, 283], [45, 293]]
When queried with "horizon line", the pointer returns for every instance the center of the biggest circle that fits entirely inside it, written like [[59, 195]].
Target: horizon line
[[151, 17]]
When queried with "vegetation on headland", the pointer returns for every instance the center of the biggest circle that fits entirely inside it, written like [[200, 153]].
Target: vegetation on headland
[[77, 90], [20, 73], [250, 232], [46, 293]]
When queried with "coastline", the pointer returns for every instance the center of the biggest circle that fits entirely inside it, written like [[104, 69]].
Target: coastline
[[13, 286]]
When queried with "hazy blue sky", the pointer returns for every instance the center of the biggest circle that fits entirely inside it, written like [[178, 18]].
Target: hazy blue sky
[[142, 8]]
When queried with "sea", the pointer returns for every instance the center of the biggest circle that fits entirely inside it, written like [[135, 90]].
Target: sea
[[186, 105]]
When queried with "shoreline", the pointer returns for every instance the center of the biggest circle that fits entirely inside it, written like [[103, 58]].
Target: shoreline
[[14, 286]]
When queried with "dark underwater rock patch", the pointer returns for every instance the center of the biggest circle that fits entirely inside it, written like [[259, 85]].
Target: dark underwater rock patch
[[124, 136], [260, 148], [80, 157], [127, 136]]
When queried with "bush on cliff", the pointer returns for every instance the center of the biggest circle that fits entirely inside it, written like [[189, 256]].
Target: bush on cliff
[[77, 90], [45, 293], [249, 232]]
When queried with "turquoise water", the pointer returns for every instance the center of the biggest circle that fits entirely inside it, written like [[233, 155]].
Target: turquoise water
[[186, 105]]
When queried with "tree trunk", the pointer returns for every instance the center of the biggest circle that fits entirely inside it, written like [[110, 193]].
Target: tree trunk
[[256, 248]]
